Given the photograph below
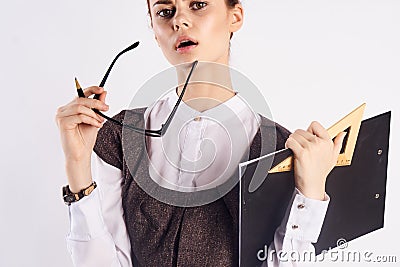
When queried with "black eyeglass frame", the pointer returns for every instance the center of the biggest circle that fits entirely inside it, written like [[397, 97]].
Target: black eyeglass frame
[[147, 132]]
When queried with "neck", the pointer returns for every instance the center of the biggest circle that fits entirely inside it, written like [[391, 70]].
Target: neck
[[209, 85]]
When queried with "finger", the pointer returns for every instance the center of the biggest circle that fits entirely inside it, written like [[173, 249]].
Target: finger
[[77, 109], [93, 90], [92, 103], [338, 142], [71, 122], [103, 97], [317, 129], [79, 119], [60, 109], [306, 134], [304, 137], [294, 145]]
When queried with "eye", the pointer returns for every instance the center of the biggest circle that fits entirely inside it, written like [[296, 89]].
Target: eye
[[198, 5], [166, 13]]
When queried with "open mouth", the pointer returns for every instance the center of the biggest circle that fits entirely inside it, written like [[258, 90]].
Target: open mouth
[[186, 43]]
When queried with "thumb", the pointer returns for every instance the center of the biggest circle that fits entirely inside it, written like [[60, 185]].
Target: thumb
[[338, 142]]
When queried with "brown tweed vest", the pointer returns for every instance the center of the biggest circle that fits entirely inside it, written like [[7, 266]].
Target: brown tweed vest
[[166, 235]]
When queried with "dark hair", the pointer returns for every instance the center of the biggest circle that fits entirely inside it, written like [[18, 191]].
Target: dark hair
[[232, 3]]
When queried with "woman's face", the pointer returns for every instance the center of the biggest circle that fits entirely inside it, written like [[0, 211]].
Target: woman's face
[[188, 30]]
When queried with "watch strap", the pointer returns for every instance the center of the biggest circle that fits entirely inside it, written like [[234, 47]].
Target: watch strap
[[70, 197]]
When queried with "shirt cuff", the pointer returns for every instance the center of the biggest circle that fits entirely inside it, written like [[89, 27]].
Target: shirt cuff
[[86, 219], [306, 217]]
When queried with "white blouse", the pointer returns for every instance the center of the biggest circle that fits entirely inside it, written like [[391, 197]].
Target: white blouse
[[185, 158], [97, 234]]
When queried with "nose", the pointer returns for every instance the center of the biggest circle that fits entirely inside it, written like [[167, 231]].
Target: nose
[[181, 21]]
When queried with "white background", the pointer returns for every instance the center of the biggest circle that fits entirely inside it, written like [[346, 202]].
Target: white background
[[312, 60]]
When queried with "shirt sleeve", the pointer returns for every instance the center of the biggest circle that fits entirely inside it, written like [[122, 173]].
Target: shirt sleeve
[[300, 228], [97, 234]]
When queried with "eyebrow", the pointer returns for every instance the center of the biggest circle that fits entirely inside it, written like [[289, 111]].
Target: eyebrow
[[162, 2]]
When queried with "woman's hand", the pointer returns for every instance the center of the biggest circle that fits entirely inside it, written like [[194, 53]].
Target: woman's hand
[[315, 155], [78, 125]]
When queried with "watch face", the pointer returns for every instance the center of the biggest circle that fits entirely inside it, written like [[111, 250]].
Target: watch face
[[69, 199]]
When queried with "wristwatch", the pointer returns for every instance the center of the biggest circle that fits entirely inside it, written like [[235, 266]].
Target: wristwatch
[[70, 197]]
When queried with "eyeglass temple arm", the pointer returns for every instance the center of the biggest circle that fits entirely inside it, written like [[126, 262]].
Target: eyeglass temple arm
[[135, 129], [103, 81], [165, 126]]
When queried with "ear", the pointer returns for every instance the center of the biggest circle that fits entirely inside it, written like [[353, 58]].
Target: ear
[[236, 14]]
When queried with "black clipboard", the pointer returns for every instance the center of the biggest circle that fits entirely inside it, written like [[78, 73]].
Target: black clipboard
[[357, 195]]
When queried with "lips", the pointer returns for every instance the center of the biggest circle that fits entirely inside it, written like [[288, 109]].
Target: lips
[[185, 43]]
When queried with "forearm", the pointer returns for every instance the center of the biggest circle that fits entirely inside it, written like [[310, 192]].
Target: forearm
[[79, 174]]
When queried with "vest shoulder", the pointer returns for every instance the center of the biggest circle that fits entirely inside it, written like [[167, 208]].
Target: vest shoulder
[[280, 130], [108, 144]]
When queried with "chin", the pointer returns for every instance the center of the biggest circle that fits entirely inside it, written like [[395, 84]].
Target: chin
[[176, 59], [184, 60]]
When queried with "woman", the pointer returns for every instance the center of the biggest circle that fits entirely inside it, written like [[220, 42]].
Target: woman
[[118, 223]]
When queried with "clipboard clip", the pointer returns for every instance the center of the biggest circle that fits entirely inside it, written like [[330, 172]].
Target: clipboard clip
[[351, 124]]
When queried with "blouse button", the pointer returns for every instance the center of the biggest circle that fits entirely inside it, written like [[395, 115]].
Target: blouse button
[[294, 226], [197, 119], [301, 206]]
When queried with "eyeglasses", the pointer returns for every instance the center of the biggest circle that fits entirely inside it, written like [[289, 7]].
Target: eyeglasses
[[147, 132]]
